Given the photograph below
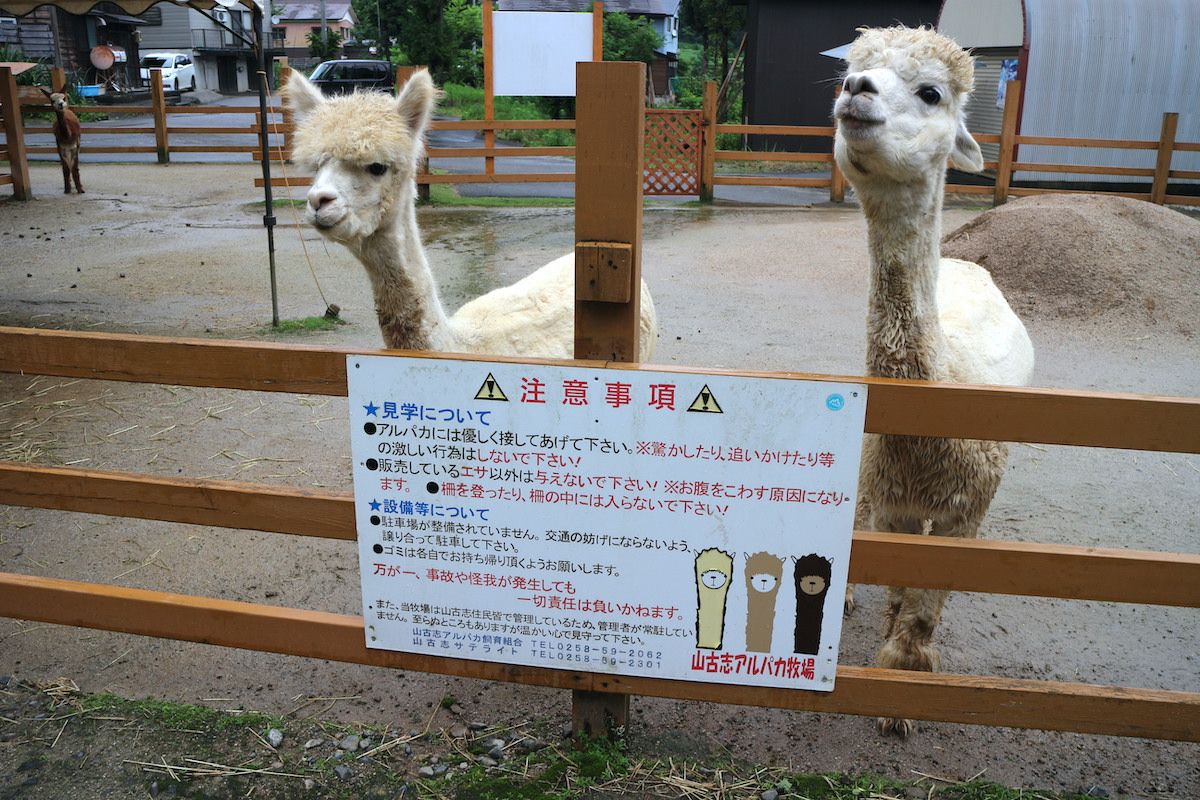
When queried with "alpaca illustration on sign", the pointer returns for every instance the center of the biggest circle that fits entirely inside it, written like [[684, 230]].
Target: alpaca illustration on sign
[[812, 583], [764, 573], [714, 571]]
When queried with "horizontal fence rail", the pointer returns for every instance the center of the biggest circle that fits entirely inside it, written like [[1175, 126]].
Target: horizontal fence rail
[[910, 408], [887, 559], [901, 407], [281, 128], [866, 691]]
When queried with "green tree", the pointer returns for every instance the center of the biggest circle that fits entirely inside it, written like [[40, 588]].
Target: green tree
[[325, 49], [445, 35], [717, 23], [629, 39]]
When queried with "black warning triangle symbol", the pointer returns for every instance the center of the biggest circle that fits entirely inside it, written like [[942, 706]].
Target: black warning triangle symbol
[[490, 390], [706, 402]]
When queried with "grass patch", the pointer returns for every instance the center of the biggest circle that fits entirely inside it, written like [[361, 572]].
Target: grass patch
[[306, 325], [444, 194], [177, 716], [467, 102]]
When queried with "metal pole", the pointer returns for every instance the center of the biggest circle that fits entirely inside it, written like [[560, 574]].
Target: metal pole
[[260, 21]]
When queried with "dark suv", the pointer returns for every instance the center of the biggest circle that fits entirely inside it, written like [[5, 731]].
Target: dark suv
[[346, 75]]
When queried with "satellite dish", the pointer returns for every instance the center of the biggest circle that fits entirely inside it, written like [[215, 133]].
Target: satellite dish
[[102, 57]]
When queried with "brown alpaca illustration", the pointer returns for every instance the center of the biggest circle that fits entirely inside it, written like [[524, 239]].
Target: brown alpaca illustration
[[763, 574], [812, 583], [714, 571]]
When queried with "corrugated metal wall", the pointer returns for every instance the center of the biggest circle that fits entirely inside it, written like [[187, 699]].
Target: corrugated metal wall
[[1109, 69], [984, 114]]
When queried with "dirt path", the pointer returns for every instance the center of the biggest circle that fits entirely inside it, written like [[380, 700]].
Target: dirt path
[[131, 256]]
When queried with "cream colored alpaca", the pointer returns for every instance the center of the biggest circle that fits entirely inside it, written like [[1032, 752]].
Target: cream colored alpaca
[[363, 149], [899, 121]]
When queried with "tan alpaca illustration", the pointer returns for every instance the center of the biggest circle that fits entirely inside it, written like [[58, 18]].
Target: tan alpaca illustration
[[714, 571], [763, 574]]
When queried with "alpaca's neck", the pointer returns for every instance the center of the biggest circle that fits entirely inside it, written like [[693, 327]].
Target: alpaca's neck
[[411, 316], [904, 338]]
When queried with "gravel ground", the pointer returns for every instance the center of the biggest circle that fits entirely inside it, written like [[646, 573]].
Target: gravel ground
[[134, 254]]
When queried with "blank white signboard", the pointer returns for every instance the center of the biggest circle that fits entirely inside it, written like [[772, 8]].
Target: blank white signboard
[[535, 52]]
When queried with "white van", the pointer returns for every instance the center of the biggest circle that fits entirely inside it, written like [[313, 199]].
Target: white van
[[179, 74]]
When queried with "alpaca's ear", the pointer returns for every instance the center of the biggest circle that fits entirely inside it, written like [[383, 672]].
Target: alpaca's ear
[[300, 95], [416, 101], [966, 154], [48, 95]]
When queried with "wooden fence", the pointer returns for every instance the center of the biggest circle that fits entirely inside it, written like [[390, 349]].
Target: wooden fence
[[608, 221], [898, 407], [1002, 170]]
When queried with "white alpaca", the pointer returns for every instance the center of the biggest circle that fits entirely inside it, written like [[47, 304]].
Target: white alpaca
[[899, 121], [363, 149]]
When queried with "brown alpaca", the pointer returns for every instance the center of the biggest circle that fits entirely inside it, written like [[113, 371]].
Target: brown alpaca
[[66, 136], [763, 574]]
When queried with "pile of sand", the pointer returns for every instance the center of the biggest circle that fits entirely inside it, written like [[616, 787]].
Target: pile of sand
[[1082, 256]]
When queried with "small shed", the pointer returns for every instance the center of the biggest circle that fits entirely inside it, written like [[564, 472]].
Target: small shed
[[1104, 69], [788, 80]]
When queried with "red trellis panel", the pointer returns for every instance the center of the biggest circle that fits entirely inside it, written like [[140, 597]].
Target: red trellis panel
[[672, 162]]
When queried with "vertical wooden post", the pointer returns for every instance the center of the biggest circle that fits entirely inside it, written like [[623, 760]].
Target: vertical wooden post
[[159, 101], [14, 135], [597, 31], [1008, 137], [1166, 148], [610, 117], [837, 181], [489, 101], [58, 79], [402, 76], [285, 75], [708, 153]]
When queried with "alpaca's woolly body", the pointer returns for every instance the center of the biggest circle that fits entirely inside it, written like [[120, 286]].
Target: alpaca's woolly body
[[338, 138], [66, 136], [930, 318]]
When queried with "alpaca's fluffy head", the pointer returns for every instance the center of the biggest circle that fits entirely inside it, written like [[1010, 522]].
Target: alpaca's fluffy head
[[58, 100], [900, 113], [363, 149]]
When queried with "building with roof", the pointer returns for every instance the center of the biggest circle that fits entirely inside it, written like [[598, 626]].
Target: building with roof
[[223, 58], [296, 19], [1103, 69]]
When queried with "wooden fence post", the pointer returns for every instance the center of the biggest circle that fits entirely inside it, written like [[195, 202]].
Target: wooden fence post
[[597, 31], [610, 117], [285, 75], [14, 134], [403, 73], [1008, 136], [708, 153], [837, 181], [1166, 148], [58, 79], [489, 100], [159, 101]]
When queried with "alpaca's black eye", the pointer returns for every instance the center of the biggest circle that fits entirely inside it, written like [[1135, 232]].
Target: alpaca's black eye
[[930, 95], [377, 169]]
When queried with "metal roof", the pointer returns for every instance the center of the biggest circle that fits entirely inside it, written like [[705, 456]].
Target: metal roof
[[649, 8], [19, 8], [306, 10]]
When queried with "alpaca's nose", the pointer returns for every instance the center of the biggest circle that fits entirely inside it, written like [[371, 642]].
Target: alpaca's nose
[[857, 83], [319, 198]]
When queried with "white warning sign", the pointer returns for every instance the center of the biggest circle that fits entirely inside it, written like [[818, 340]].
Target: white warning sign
[[605, 520]]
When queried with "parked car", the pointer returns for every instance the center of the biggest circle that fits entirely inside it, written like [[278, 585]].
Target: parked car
[[348, 74], [179, 73]]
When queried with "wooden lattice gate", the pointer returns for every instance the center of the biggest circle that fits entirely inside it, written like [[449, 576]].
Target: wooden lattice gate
[[673, 146]]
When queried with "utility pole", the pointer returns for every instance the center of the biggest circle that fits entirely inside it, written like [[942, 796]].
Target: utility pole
[[324, 30]]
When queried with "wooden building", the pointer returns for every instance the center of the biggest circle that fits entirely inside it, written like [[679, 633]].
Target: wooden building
[[787, 80]]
